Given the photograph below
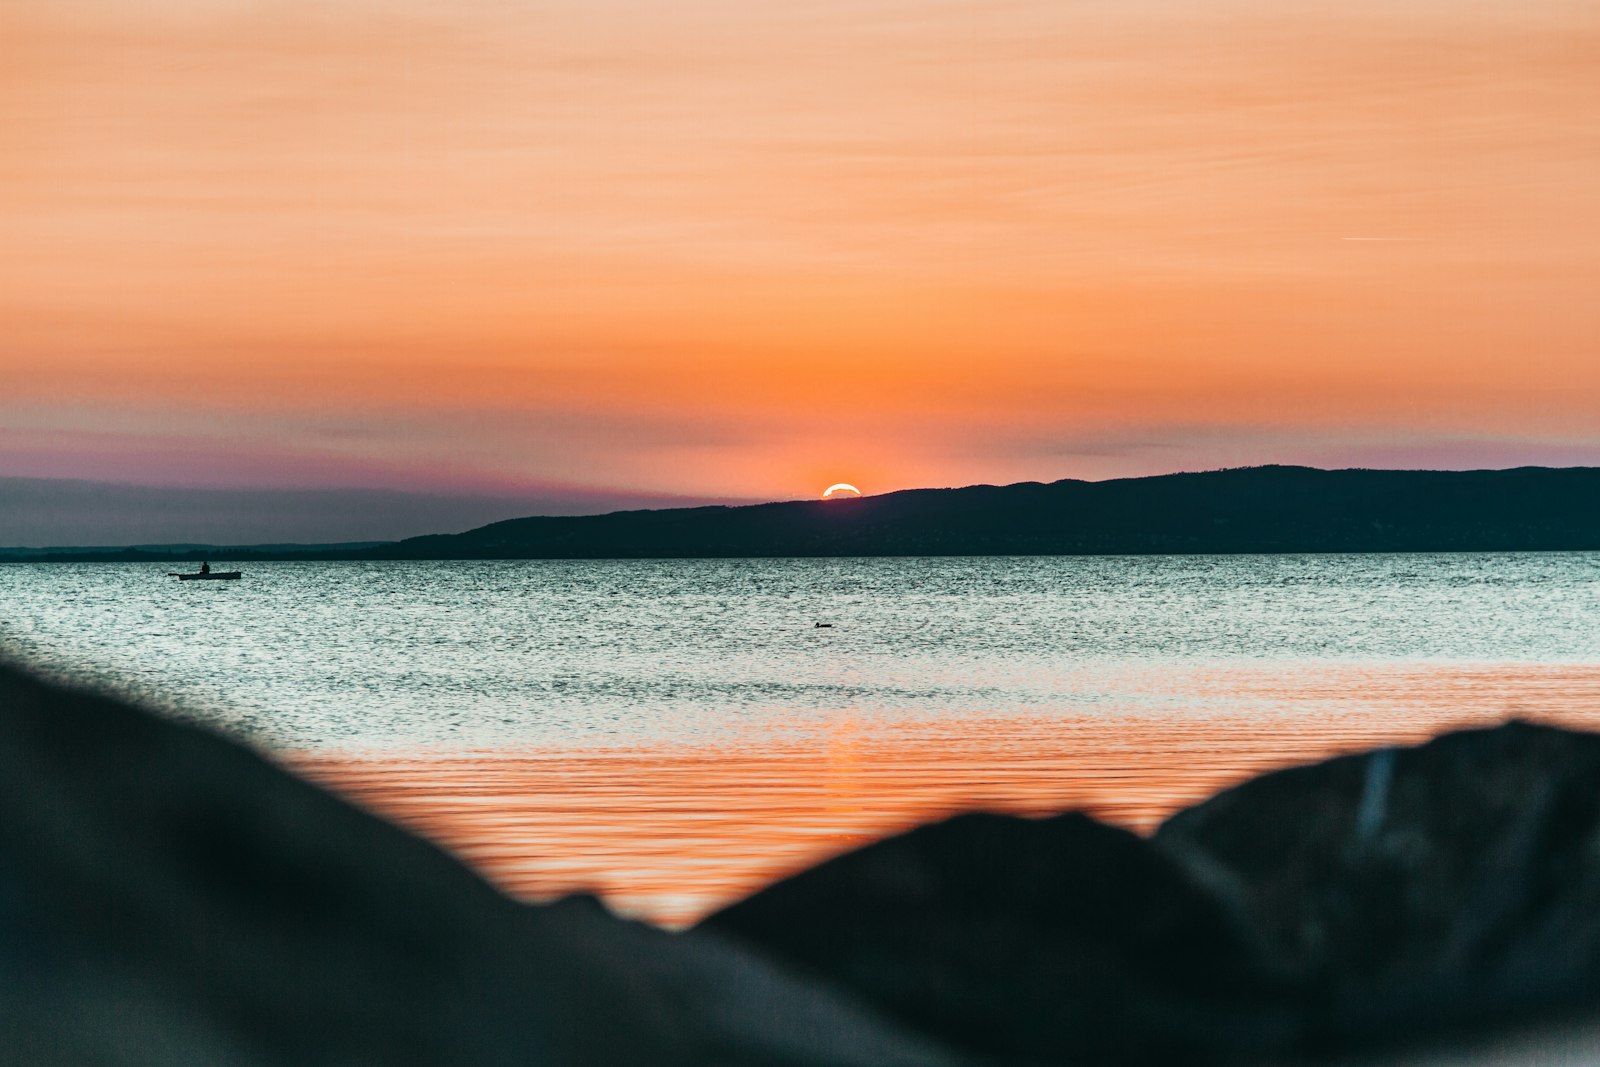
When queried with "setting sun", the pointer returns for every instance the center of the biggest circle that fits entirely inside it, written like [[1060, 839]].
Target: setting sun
[[840, 487]]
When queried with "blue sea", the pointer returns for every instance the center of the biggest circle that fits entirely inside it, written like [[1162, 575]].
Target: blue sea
[[675, 733], [397, 655]]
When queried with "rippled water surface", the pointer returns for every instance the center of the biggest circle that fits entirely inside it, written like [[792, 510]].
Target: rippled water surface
[[676, 732], [394, 655]]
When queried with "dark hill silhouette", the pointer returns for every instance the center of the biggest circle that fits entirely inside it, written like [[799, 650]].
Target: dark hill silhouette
[[1249, 509], [1254, 509]]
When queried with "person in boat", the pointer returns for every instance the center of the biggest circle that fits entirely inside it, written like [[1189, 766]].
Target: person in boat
[[205, 567]]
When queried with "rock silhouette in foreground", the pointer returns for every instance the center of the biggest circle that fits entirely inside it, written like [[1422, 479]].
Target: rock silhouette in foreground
[[1373, 902], [1055, 940], [1419, 892], [169, 897]]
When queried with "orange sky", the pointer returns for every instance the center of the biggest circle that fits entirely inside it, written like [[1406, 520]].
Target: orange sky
[[748, 250]]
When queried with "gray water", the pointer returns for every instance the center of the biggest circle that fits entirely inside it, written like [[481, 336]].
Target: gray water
[[490, 655]]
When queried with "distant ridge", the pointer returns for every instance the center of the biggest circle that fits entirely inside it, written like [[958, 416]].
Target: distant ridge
[[187, 551], [1251, 509], [194, 549]]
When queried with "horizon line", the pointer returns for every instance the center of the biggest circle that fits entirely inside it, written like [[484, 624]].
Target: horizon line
[[356, 543]]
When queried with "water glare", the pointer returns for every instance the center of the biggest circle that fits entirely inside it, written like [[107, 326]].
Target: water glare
[[675, 733]]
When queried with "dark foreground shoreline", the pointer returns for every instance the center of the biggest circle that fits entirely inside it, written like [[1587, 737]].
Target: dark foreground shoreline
[[1245, 511], [168, 896]]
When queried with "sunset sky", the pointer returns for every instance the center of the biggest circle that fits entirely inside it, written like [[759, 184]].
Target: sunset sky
[[610, 251]]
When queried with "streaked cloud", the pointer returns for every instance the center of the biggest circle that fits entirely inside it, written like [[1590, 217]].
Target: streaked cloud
[[719, 248]]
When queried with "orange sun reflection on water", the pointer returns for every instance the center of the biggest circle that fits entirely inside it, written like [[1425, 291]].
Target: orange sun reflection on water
[[670, 834]]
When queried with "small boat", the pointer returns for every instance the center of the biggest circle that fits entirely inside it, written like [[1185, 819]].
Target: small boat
[[212, 576]]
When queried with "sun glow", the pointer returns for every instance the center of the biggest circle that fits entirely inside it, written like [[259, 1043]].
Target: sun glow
[[840, 488]]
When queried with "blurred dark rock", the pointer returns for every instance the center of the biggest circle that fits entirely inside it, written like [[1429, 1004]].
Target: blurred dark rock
[[1371, 906], [1056, 940], [169, 897], [1419, 893]]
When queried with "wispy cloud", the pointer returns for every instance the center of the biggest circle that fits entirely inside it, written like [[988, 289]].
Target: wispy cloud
[[723, 247]]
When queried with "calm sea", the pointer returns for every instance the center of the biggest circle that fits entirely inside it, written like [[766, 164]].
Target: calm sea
[[675, 732]]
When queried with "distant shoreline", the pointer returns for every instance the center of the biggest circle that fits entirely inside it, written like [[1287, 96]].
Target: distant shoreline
[[221, 557], [1246, 511]]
